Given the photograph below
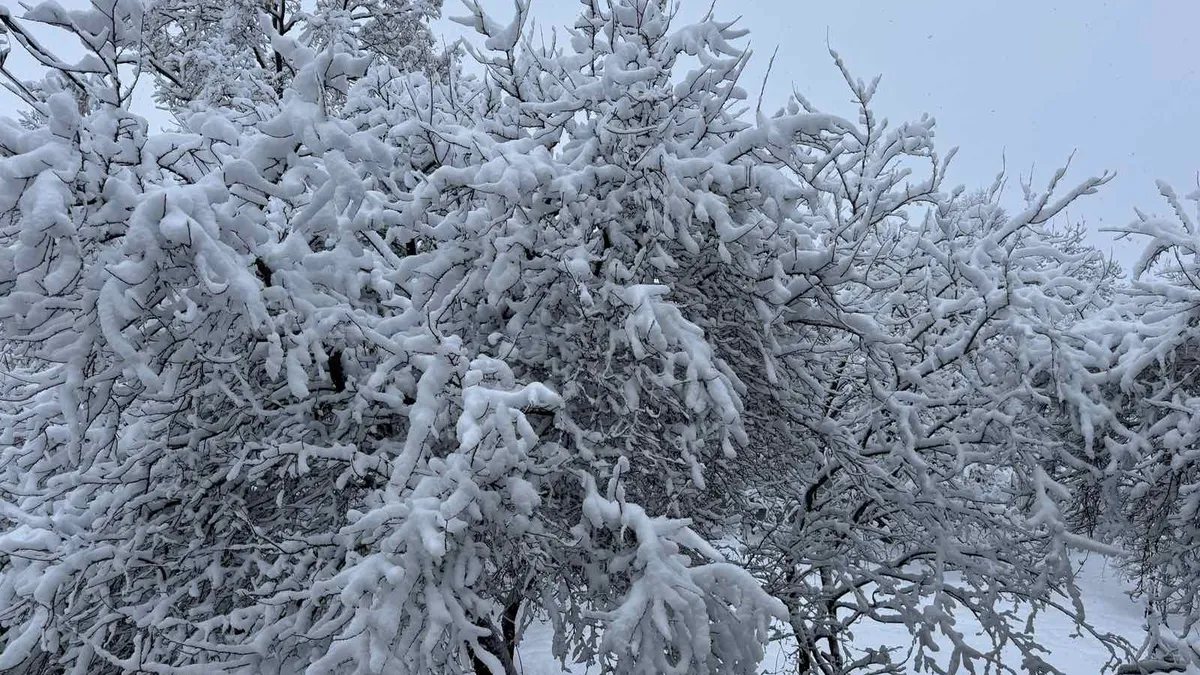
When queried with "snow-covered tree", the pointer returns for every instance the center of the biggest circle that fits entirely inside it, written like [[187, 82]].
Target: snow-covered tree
[[900, 471], [328, 394], [227, 51], [1138, 413], [368, 380]]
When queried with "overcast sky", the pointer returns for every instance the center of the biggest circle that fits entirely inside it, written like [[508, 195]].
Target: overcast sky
[[1028, 80]]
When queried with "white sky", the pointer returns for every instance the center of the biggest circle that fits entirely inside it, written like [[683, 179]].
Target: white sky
[[1031, 80]]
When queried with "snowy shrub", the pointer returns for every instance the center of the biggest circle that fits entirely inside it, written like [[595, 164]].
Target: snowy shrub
[[372, 362]]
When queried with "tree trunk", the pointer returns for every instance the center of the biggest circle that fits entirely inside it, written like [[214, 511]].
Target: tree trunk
[[502, 643]]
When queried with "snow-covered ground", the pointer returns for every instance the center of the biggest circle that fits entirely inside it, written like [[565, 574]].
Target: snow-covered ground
[[1107, 603]]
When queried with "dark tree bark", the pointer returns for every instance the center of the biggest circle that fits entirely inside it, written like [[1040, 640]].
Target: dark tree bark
[[502, 643]]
